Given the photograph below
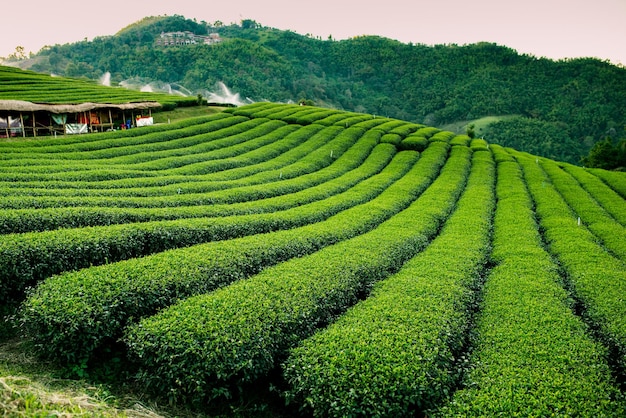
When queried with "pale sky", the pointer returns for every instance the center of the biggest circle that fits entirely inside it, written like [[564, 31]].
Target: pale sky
[[544, 28]]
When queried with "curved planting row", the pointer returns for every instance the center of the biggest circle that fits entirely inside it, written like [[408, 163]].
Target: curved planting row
[[233, 141], [357, 265], [41, 88], [27, 258], [120, 143], [614, 179], [303, 173], [591, 213], [396, 352], [237, 334], [610, 200], [255, 173], [598, 279], [283, 140], [334, 177], [51, 314], [532, 355]]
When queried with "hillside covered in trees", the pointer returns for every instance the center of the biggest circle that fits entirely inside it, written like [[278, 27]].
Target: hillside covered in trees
[[560, 109]]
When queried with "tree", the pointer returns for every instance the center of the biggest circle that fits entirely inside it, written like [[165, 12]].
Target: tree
[[19, 54], [470, 131], [603, 155], [249, 24]]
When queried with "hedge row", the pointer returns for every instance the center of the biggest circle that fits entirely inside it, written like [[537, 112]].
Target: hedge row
[[598, 279], [462, 140], [96, 141], [357, 118], [337, 177], [479, 144], [427, 131], [395, 354], [443, 136], [86, 171], [285, 139], [383, 124], [264, 111], [28, 258], [313, 117], [394, 139], [297, 176], [229, 142], [269, 141], [532, 355], [71, 315], [406, 129], [302, 116], [239, 333], [615, 179], [99, 145], [414, 142], [500, 154], [610, 232], [612, 202], [251, 174], [251, 109], [337, 118]]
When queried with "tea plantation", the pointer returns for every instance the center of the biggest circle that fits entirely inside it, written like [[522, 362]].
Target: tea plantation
[[347, 264]]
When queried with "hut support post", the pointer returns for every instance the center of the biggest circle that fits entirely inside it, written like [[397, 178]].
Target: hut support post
[[34, 126], [22, 125]]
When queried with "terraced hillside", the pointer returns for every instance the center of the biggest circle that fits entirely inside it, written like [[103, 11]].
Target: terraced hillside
[[17, 84], [358, 265]]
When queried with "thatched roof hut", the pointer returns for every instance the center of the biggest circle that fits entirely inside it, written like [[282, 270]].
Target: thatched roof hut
[[24, 106], [95, 115]]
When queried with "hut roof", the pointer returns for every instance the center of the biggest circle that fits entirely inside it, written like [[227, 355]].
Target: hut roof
[[24, 106]]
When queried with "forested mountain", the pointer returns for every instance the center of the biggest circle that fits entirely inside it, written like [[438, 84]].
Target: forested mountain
[[561, 108]]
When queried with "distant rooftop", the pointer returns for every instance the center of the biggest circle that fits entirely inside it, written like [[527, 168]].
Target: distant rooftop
[[186, 38]]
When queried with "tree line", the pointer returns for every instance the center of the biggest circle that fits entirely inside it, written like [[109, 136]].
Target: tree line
[[563, 108]]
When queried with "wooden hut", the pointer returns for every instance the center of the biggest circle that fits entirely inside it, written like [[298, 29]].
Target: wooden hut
[[22, 118]]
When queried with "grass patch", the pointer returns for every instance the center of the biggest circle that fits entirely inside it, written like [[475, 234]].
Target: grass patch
[[184, 113], [30, 387]]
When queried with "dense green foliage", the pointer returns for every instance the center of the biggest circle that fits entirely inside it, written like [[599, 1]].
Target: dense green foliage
[[345, 263], [396, 352], [564, 106], [605, 154], [532, 355]]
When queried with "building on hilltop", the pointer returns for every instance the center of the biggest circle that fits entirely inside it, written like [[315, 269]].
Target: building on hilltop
[[186, 38]]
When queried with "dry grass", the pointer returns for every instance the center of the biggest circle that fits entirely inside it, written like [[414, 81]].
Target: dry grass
[[28, 388]]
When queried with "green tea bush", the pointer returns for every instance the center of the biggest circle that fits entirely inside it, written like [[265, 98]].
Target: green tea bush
[[479, 145], [238, 333], [443, 136], [500, 154], [615, 179], [532, 356], [338, 177], [28, 258], [69, 316], [598, 279], [394, 354], [461, 140], [610, 232], [394, 139], [414, 142], [610, 200]]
